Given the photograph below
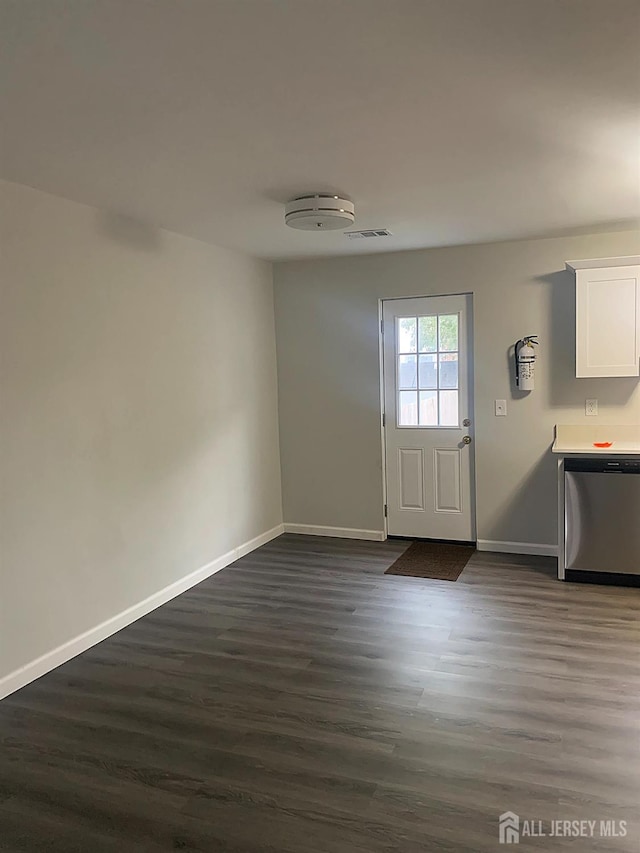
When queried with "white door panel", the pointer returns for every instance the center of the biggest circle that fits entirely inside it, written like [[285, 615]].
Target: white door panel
[[428, 411], [411, 476], [447, 479]]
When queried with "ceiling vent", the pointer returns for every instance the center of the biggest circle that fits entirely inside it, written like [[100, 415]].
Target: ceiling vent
[[377, 232], [319, 212]]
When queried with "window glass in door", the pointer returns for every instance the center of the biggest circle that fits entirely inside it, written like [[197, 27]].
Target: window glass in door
[[427, 357]]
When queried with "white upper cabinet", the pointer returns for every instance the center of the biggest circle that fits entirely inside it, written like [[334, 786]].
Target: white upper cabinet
[[607, 316]]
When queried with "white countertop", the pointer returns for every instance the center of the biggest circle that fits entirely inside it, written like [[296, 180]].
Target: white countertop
[[581, 439]]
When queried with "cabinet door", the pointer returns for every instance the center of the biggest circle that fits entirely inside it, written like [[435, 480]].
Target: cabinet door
[[608, 321]]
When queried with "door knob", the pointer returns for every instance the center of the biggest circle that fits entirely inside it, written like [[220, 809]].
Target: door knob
[[466, 439]]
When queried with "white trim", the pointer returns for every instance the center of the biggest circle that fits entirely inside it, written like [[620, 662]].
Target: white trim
[[517, 547], [383, 426], [50, 660], [561, 522], [338, 532], [603, 263]]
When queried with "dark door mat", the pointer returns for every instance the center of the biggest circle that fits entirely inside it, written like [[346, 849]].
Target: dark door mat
[[437, 560]]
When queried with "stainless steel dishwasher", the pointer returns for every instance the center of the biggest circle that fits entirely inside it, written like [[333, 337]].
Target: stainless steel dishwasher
[[602, 519]]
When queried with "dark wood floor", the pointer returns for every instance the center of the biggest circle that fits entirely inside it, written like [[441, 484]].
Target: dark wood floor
[[301, 700]]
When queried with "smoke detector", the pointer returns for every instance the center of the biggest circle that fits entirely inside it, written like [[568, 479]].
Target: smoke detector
[[319, 212]]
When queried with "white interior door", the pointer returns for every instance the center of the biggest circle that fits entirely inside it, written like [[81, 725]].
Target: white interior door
[[428, 417]]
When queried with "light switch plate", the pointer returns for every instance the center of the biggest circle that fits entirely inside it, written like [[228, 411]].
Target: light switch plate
[[501, 408], [591, 408]]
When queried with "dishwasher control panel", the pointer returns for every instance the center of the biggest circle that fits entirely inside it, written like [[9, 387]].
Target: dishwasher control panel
[[602, 465]]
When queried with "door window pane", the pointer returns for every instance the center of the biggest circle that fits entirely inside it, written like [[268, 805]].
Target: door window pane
[[407, 371], [449, 408], [407, 334], [428, 375], [448, 332], [428, 408], [448, 370], [408, 408], [428, 334]]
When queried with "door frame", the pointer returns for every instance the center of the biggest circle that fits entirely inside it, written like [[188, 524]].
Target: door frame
[[472, 398]]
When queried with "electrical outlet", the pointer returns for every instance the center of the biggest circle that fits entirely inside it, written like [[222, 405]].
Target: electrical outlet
[[591, 408], [501, 408]]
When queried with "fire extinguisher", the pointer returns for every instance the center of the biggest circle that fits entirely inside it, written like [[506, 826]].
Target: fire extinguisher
[[525, 356]]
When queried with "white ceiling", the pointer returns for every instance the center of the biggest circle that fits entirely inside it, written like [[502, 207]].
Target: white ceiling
[[446, 121]]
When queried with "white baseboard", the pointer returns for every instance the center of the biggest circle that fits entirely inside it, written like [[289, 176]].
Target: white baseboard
[[20, 677], [338, 532], [379, 536], [517, 547]]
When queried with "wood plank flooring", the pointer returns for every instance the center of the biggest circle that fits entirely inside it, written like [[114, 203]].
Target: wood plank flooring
[[301, 700]]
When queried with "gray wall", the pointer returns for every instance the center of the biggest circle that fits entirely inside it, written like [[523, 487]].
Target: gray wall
[[328, 375], [138, 415]]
